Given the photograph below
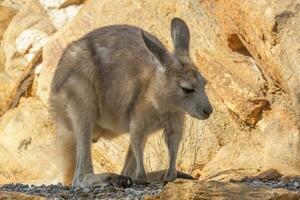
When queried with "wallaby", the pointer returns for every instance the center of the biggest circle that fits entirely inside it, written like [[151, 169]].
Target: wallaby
[[121, 79]]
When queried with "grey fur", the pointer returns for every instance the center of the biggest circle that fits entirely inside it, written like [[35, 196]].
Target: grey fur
[[121, 79]]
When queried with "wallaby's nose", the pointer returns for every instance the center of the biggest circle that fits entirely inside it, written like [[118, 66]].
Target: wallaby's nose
[[208, 110]]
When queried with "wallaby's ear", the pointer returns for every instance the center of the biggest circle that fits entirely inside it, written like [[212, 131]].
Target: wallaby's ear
[[181, 38], [159, 53]]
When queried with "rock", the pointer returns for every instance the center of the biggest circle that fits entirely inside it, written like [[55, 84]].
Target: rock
[[6, 86], [60, 3], [14, 4], [271, 174], [286, 179], [18, 196], [27, 144], [5, 82], [6, 16], [187, 189], [25, 36], [2, 58], [60, 17], [22, 44], [61, 11]]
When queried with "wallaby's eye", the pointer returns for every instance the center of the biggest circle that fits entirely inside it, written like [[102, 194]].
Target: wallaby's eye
[[187, 90]]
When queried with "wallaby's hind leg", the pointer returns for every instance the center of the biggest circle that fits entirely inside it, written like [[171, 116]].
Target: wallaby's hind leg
[[84, 175], [81, 110], [129, 168]]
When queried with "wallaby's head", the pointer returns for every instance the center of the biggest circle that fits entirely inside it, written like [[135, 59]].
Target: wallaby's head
[[180, 83]]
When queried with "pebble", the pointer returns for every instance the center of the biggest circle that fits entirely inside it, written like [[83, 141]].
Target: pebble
[[290, 185], [58, 191]]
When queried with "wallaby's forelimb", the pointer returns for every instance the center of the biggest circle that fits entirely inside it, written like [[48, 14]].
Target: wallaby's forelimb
[[173, 135]]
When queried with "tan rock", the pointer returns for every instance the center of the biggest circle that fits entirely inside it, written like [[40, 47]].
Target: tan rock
[[286, 179], [213, 190], [6, 16], [271, 174], [22, 44], [60, 3], [2, 58], [14, 4], [61, 11], [18, 196], [27, 144], [26, 34], [6, 86]]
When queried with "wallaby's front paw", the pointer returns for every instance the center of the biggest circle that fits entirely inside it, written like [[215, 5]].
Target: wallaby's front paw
[[122, 181], [94, 180], [170, 176]]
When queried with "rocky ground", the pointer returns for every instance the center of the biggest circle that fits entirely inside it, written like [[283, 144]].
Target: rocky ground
[[273, 179], [248, 51], [269, 184], [56, 192], [290, 185]]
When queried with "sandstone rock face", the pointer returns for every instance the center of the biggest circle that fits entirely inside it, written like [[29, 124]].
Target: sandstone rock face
[[5, 18], [24, 37], [27, 144], [14, 4], [61, 11], [22, 45], [247, 50], [214, 190]]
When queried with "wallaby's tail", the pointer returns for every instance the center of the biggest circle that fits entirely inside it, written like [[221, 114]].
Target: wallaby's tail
[[184, 175], [158, 176], [67, 152]]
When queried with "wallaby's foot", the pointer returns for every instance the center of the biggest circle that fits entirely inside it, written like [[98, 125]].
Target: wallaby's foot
[[141, 180], [90, 180], [170, 175], [121, 181]]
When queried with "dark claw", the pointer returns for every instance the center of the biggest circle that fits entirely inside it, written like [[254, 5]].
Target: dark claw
[[123, 181], [165, 183], [184, 175]]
